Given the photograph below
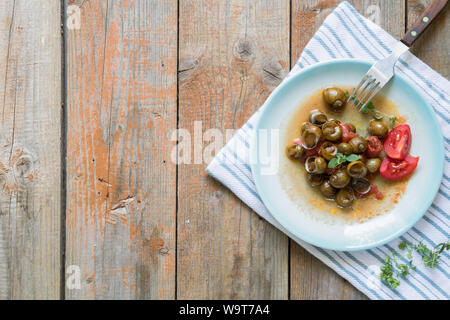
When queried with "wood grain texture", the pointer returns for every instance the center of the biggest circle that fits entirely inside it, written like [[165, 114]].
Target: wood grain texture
[[121, 184], [424, 20], [433, 47], [310, 278], [232, 54], [308, 15], [122, 109], [30, 149]]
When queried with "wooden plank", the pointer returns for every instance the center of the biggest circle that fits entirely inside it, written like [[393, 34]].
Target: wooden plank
[[433, 47], [121, 184], [30, 152], [232, 54], [310, 278]]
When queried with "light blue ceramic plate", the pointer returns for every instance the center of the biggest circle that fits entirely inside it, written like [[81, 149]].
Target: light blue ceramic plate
[[300, 221]]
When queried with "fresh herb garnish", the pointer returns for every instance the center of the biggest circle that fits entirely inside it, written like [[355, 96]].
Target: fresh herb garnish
[[403, 269], [431, 257], [353, 98], [352, 157], [347, 94], [388, 273], [340, 158], [402, 246], [392, 122], [369, 106], [443, 246], [391, 270]]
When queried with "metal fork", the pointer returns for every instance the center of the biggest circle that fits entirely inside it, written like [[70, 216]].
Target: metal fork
[[375, 79], [382, 71]]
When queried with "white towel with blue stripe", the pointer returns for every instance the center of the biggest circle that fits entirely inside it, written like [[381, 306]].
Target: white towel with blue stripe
[[358, 37]]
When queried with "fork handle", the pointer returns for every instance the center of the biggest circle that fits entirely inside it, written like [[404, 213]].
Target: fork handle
[[422, 23]]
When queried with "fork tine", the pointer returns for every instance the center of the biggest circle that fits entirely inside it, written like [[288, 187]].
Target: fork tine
[[363, 91], [357, 87], [373, 84], [363, 102], [377, 89]]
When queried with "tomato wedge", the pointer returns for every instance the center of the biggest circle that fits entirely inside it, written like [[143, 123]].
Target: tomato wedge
[[398, 142], [391, 169]]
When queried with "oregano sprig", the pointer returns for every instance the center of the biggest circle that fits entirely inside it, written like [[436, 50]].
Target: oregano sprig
[[431, 257], [388, 273], [341, 158], [368, 107], [392, 270]]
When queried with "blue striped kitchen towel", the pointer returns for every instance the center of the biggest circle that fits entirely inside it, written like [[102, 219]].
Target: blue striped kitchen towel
[[347, 34]]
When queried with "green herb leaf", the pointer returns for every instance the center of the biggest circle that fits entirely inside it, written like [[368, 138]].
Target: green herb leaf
[[333, 163], [353, 98], [430, 258], [369, 106], [340, 158], [443, 246], [409, 256], [387, 273], [347, 94], [391, 269], [403, 269], [352, 157], [392, 122]]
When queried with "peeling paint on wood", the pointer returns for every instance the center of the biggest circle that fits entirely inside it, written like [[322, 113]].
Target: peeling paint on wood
[[122, 74], [229, 64], [30, 149], [122, 87]]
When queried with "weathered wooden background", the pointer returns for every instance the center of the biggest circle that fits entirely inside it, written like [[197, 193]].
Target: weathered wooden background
[[87, 181]]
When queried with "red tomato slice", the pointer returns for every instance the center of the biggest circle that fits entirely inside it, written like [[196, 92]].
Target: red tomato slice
[[374, 147], [391, 169], [347, 134], [398, 142]]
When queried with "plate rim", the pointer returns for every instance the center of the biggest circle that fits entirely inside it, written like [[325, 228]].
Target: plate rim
[[373, 244]]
